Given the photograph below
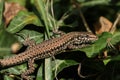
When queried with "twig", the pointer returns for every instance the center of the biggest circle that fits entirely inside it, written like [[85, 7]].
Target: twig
[[82, 76], [81, 15], [79, 69], [115, 23], [84, 21]]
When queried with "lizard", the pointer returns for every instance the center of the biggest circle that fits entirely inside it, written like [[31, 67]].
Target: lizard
[[48, 48]]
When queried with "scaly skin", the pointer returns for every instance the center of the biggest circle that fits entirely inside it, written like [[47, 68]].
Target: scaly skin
[[72, 40]]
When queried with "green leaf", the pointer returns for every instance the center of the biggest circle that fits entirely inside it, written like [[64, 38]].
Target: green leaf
[[6, 40], [40, 73], [43, 11], [115, 38], [95, 2], [21, 2], [23, 18], [15, 70], [106, 61], [100, 44], [7, 77], [31, 34], [59, 65], [12, 70], [1, 11]]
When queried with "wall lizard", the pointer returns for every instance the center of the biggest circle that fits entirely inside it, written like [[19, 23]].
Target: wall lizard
[[48, 48]]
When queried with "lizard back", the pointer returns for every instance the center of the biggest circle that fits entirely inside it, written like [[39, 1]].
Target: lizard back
[[49, 47]]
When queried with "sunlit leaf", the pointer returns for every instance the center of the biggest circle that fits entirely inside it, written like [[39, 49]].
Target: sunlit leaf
[[115, 38], [23, 18]]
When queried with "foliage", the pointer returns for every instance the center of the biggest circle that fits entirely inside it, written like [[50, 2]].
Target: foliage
[[41, 17]]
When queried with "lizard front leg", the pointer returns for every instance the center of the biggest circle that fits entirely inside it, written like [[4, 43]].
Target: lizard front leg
[[30, 70], [57, 33], [29, 42]]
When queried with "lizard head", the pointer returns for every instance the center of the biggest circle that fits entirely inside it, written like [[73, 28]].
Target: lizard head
[[85, 38]]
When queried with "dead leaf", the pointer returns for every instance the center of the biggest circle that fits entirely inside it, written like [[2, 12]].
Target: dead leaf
[[11, 10], [104, 25]]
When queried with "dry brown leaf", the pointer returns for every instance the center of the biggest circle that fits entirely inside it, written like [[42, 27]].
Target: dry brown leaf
[[104, 25], [11, 10]]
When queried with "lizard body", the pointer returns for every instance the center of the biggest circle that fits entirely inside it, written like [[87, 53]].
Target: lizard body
[[48, 48]]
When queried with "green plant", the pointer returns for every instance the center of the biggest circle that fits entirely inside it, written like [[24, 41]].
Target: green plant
[[38, 22]]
